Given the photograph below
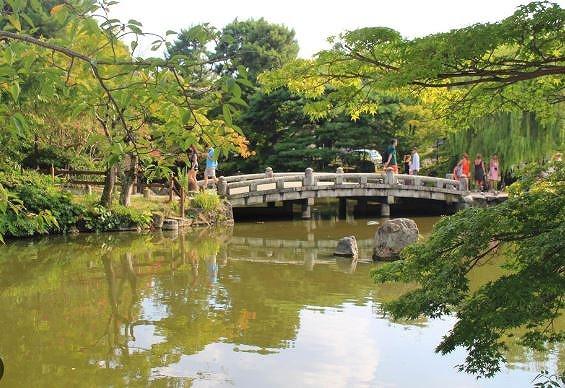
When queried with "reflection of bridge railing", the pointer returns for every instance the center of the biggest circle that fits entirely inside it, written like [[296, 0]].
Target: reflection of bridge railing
[[257, 242]]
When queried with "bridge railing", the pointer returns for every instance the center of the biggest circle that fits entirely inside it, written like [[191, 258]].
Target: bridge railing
[[248, 183]]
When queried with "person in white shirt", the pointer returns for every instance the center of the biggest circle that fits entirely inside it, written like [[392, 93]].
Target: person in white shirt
[[415, 162]]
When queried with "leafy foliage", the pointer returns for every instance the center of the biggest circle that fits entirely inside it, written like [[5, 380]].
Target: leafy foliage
[[467, 72], [101, 219], [527, 231], [255, 45], [516, 137], [148, 110], [206, 200], [16, 219]]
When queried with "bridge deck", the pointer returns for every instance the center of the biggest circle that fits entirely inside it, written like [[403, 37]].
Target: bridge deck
[[252, 189]]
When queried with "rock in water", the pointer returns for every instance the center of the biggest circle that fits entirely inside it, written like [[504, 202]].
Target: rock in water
[[347, 246], [392, 236], [157, 220], [170, 224]]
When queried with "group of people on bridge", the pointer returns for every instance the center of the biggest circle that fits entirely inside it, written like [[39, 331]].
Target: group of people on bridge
[[484, 179]]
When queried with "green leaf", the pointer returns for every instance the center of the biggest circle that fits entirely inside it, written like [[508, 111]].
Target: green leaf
[[14, 20], [227, 114], [237, 129], [186, 117], [28, 20], [236, 90], [245, 82], [238, 101], [15, 91], [171, 32], [20, 123], [133, 45], [135, 29]]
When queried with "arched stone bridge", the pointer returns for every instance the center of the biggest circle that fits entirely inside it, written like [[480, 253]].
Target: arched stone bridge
[[304, 187]]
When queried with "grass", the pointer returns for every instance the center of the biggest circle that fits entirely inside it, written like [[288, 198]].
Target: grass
[[206, 200]]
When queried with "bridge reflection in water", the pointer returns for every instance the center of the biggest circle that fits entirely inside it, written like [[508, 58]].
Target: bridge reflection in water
[[200, 307]]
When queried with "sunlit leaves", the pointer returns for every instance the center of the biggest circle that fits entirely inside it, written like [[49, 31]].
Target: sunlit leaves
[[525, 233], [510, 65]]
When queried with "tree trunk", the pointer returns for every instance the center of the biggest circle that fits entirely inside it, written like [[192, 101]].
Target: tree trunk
[[109, 182], [127, 179]]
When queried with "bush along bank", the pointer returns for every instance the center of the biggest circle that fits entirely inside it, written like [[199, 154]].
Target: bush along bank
[[31, 204]]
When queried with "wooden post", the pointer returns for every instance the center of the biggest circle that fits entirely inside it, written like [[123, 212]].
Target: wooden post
[[134, 186], [146, 192], [182, 204], [52, 173]]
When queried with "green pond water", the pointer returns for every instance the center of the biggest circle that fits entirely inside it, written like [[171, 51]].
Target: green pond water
[[257, 305]]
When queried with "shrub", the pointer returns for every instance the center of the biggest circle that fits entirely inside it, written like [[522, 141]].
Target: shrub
[[38, 194], [101, 219], [17, 221], [206, 200]]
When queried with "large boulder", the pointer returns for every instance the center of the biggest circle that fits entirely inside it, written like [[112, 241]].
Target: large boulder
[[347, 247], [392, 236]]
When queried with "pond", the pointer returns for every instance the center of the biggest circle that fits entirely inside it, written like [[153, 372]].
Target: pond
[[258, 305]]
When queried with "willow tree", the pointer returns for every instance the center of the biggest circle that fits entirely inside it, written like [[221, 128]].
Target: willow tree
[[503, 81], [147, 109], [516, 137]]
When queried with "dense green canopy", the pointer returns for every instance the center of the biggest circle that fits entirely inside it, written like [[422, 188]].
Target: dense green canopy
[[527, 232]]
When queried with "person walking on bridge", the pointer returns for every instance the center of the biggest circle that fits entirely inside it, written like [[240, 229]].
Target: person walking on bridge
[[211, 166], [466, 166], [493, 173], [415, 162], [479, 173], [391, 160]]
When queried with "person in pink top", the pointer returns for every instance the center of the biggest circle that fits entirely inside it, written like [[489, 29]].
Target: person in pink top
[[493, 172]]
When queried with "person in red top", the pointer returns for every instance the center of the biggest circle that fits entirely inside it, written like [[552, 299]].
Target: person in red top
[[466, 166]]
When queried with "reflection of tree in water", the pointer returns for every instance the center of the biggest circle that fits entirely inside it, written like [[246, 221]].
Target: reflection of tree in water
[[119, 330], [82, 302]]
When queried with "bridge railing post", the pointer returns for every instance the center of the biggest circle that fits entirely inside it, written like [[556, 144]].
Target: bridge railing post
[[389, 177], [269, 172], [222, 186], [280, 184], [252, 187], [339, 177], [308, 177], [463, 184]]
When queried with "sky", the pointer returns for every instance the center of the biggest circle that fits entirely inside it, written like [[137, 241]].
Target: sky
[[315, 20]]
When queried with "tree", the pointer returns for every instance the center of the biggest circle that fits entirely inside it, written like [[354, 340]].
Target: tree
[[526, 138], [468, 78], [257, 45], [525, 302], [141, 105], [468, 72]]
